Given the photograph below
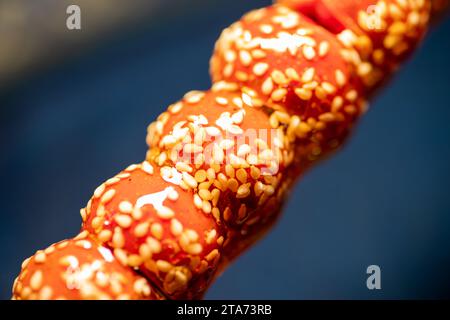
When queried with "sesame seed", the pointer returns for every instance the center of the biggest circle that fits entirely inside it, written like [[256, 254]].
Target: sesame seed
[[267, 86], [243, 191], [282, 116], [176, 227], [154, 245], [205, 194], [328, 87], [340, 78], [212, 131], [255, 172], [97, 222], [40, 257], [226, 144], [413, 18], [141, 229], [105, 235], [308, 52], [259, 188], [206, 206], [101, 211], [243, 150], [337, 103], [245, 58], [147, 167], [232, 184], [121, 255], [197, 201], [308, 75], [238, 102], [230, 56], [192, 148], [173, 195], [157, 230], [222, 101], [182, 166], [145, 252], [324, 47], [134, 260], [364, 68], [350, 109], [99, 191], [118, 240], [266, 28], [62, 245], [279, 77], [67, 261], [278, 94], [193, 97], [36, 280], [260, 68], [189, 180], [210, 236], [292, 73], [194, 248], [235, 130], [351, 95], [81, 235], [204, 185], [175, 108], [327, 117], [397, 28], [216, 214], [85, 244], [192, 235], [131, 167], [247, 99], [310, 85], [165, 212], [107, 196], [112, 181], [258, 54], [163, 265], [215, 196], [303, 94], [242, 211], [273, 121], [125, 207], [212, 255], [45, 293], [241, 175], [123, 221], [228, 70], [200, 176], [137, 213], [229, 170], [211, 174], [181, 278]]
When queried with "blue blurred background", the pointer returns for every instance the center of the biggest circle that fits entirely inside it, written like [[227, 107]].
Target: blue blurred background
[[384, 199]]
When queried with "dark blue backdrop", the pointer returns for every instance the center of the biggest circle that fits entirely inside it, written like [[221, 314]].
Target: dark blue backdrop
[[382, 200]]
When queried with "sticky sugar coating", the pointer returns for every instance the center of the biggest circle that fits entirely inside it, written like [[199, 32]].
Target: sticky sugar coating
[[227, 150], [152, 224], [79, 269], [291, 62], [382, 32], [232, 154]]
